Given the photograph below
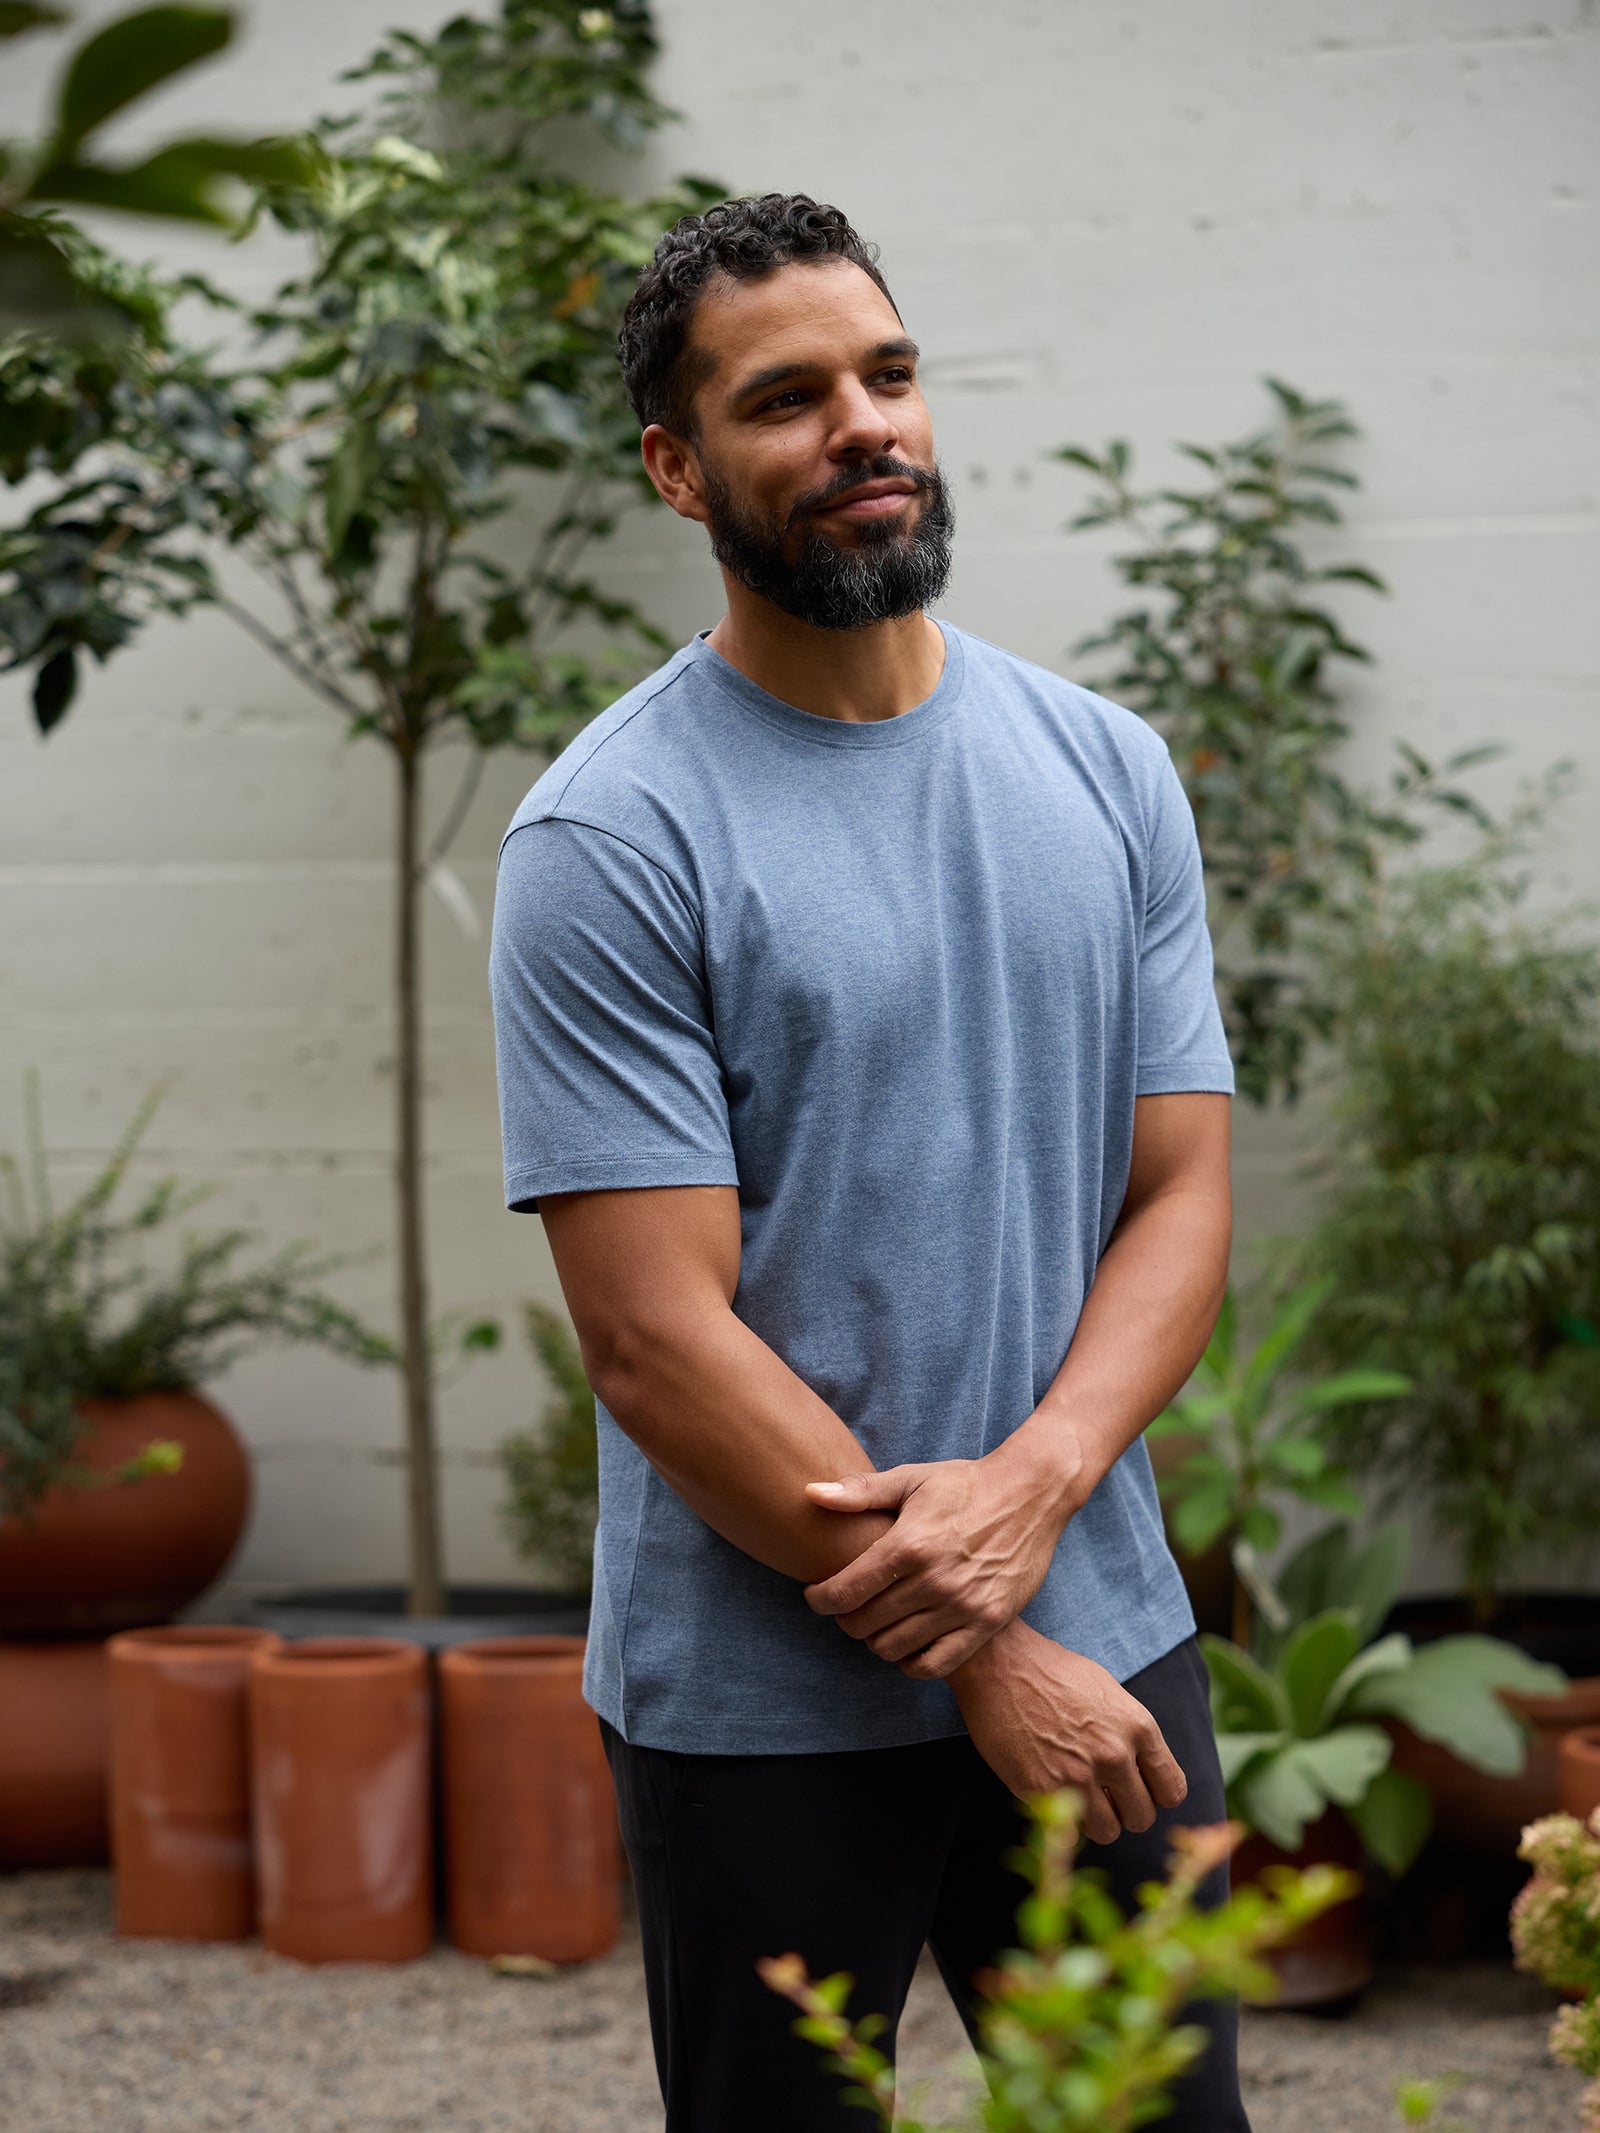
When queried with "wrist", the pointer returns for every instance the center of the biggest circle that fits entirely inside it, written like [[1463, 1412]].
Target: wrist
[[1047, 1457]]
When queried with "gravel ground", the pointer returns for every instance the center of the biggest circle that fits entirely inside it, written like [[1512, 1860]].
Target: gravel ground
[[99, 2035]]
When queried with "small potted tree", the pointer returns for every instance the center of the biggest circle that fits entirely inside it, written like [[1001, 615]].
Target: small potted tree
[[446, 357]]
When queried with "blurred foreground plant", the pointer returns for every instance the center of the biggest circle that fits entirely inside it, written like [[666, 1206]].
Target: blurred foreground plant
[[1230, 656], [82, 1317], [1079, 2029], [1555, 1931]]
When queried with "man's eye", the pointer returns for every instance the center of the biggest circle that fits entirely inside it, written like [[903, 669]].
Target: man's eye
[[899, 375], [791, 398]]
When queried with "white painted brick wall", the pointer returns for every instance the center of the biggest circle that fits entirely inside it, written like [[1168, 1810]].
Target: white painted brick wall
[[1098, 219]]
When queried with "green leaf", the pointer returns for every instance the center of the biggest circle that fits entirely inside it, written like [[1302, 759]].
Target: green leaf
[[1314, 1658], [1349, 1386], [17, 17], [1279, 1796], [1447, 1694], [1387, 1656], [1244, 1696], [1203, 1517], [1392, 1818], [128, 58], [1237, 1751], [54, 687], [346, 479], [1345, 1761]]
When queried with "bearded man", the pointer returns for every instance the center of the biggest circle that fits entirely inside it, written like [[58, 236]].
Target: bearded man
[[858, 1046]]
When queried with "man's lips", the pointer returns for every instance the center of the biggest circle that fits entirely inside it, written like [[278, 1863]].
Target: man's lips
[[872, 500]]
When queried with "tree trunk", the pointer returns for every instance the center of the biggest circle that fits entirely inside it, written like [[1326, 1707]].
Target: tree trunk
[[422, 1489]]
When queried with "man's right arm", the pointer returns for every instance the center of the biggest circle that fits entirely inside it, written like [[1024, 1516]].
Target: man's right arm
[[649, 1277]]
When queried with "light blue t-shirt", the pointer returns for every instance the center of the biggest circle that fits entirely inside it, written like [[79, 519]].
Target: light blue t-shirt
[[900, 983]]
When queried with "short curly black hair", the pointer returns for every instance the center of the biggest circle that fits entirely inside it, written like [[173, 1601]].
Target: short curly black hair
[[743, 239]]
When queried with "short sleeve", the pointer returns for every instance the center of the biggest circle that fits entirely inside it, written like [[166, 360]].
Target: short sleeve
[[608, 1067], [1182, 1045]]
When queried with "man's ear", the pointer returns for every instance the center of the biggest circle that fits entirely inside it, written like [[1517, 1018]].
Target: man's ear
[[674, 471]]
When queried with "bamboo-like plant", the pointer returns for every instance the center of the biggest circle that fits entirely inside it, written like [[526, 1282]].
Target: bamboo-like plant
[[449, 347]]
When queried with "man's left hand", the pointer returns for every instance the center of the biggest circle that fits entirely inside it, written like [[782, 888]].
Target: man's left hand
[[969, 1548]]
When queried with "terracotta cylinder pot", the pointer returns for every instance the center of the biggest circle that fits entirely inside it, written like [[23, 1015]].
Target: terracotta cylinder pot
[[1488, 1814], [1580, 1772], [531, 1844], [340, 1779], [53, 1730], [93, 1560], [1331, 1958], [180, 1789]]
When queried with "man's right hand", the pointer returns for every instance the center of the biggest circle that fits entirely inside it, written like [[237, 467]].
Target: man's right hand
[[1042, 1717]]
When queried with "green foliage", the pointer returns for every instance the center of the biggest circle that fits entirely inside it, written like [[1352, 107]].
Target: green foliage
[[1261, 1438], [1297, 1724], [553, 1472], [1555, 1931], [1460, 1223], [41, 282], [1079, 2030], [1232, 657], [82, 1316]]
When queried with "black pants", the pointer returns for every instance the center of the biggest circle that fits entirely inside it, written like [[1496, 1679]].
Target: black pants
[[856, 1860]]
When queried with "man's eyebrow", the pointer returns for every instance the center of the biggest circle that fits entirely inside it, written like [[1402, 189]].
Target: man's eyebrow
[[779, 374]]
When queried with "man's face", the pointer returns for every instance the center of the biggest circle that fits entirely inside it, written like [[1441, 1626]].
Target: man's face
[[814, 447]]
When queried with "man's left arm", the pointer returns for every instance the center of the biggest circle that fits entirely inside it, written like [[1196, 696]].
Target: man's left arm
[[973, 1538]]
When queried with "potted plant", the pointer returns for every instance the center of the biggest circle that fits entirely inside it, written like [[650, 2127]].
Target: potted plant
[[1081, 2027], [449, 347], [1555, 1931], [1458, 1234], [102, 1355], [1249, 1435], [1304, 1732], [123, 1490]]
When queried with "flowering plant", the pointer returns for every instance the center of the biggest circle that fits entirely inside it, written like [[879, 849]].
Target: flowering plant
[[1555, 1930]]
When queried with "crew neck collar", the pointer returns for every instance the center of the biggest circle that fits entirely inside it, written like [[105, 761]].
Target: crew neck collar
[[897, 732]]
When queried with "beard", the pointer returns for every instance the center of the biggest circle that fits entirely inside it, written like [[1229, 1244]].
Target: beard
[[878, 571]]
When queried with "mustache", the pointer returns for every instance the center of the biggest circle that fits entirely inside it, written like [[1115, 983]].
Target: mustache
[[883, 468]]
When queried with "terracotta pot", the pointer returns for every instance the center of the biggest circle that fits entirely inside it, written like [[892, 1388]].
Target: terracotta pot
[[1488, 1814], [93, 1560], [1331, 1958], [339, 1754], [53, 1753], [531, 1846], [180, 1793], [1580, 1772]]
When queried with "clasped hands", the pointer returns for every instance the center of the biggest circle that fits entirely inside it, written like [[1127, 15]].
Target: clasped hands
[[940, 1594]]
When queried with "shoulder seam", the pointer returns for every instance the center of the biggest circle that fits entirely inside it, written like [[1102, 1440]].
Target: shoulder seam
[[578, 769], [600, 830]]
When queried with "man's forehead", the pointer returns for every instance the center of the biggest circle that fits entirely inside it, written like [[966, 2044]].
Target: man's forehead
[[805, 311]]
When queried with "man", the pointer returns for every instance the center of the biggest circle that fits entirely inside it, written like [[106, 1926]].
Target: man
[[858, 1046]]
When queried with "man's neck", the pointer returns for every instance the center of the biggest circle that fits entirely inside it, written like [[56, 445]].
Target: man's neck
[[860, 676]]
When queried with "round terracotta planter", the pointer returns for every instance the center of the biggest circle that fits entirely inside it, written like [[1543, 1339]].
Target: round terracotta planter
[[93, 1560], [53, 1753], [1331, 1958], [1580, 1772], [1488, 1814], [531, 1844], [339, 1765], [180, 1789]]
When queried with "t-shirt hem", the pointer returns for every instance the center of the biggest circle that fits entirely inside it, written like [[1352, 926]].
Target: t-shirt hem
[[619, 1173], [1186, 1078]]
